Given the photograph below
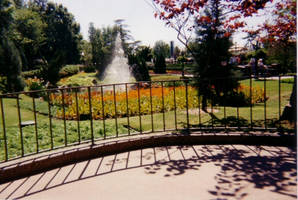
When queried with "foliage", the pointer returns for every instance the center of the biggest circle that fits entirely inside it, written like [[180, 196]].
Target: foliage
[[137, 60], [6, 15], [32, 73], [109, 106], [10, 55], [102, 44], [288, 80], [62, 38], [138, 68], [36, 35], [34, 84], [279, 36], [211, 51], [79, 79], [283, 27], [29, 35], [177, 14], [86, 57], [227, 116], [144, 53], [283, 54], [159, 64], [69, 70], [242, 96], [178, 66], [161, 51], [89, 69], [162, 101]]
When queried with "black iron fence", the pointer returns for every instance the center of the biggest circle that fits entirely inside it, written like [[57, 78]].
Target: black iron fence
[[37, 121]]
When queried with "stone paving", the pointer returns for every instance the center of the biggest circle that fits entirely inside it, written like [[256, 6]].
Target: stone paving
[[176, 172]]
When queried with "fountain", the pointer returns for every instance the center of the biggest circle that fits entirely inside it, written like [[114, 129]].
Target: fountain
[[118, 71]]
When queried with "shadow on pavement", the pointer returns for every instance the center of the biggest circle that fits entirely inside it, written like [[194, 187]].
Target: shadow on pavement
[[261, 166]]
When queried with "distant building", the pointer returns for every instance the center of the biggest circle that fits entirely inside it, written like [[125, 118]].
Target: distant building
[[172, 49]]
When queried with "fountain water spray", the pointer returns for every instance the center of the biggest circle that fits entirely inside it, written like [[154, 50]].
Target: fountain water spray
[[118, 71]]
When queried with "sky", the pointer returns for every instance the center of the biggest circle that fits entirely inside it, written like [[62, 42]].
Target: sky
[[138, 15]]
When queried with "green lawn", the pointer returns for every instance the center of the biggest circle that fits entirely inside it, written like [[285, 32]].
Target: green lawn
[[238, 117], [85, 79]]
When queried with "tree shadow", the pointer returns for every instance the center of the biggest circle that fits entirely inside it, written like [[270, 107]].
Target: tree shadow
[[275, 171], [242, 123], [264, 167]]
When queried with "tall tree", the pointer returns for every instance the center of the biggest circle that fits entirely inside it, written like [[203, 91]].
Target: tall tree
[[102, 44], [29, 35], [62, 35], [161, 51], [10, 59], [137, 60], [178, 13], [211, 52]]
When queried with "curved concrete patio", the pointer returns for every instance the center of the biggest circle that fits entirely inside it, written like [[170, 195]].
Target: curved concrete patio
[[175, 172]]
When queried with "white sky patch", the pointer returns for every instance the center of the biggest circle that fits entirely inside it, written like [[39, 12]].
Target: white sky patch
[[138, 15]]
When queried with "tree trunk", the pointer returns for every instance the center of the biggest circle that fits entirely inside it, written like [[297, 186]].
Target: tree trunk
[[204, 103], [290, 110]]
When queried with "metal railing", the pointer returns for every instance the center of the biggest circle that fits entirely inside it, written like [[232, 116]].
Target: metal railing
[[37, 121]]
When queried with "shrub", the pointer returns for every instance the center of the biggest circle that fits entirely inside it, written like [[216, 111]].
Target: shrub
[[89, 69], [69, 70], [34, 84], [241, 96], [32, 73], [159, 65], [288, 80]]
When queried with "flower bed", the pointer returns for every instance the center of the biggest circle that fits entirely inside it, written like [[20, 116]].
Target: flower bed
[[138, 102]]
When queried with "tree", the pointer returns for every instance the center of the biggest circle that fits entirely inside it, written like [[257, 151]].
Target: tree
[[137, 61], [177, 52], [62, 38], [10, 65], [10, 59], [86, 49], [18, 3], [181, 14], [29, 36], [137, 55], [161, 51], [177, 14], [281, 34], [102, 44], [62, 33], [253, 39], [211, 53]]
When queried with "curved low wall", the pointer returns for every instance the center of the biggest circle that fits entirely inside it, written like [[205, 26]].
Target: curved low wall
[[40, 164]]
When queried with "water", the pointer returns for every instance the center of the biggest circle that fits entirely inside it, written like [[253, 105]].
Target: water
[[118, 71]]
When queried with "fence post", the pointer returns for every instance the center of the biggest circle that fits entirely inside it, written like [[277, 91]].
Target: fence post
[[4, 129], [50, 120], [64, 117], [91, 117], [35, 124], [20, 124]]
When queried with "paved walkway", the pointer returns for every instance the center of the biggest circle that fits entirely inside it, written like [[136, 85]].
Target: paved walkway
[[177, 172]]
